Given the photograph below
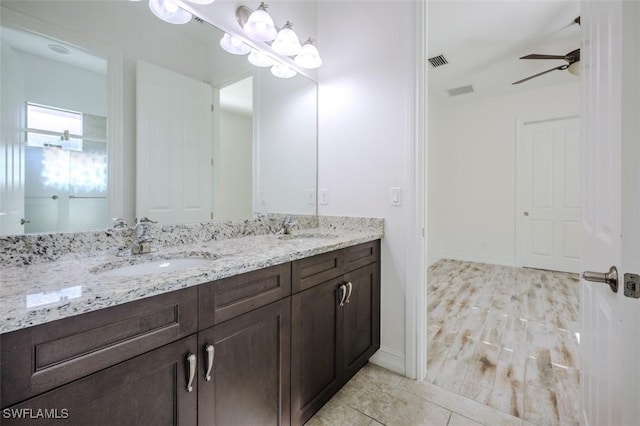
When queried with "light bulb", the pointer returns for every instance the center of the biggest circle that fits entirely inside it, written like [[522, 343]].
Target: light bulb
[[234, 45], [309, 57], [260, 58], [260, 26], [282, 71], [286, 42], [168, 11], [170, 6]]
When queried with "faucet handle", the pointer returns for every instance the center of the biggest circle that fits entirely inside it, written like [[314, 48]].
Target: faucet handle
[[147, 220], [119, 223]]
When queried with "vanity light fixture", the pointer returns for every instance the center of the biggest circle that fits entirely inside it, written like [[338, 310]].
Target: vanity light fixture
[[260, 58], [283, 71], [234, 45], [259, 26], [286, 42], [169, 11], [309, 57]]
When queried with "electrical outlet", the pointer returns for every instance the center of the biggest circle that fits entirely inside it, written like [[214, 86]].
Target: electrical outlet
[[324, 196], [311, 197], [264, 198]]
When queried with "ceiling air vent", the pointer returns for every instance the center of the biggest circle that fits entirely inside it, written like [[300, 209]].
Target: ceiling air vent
[[460, 90], [438, 61]]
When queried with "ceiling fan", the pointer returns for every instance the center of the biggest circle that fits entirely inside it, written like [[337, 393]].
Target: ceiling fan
[[572, 58]]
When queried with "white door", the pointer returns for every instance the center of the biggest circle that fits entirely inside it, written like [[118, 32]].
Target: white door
[[610, 374], [12, 120], [549, 194], [174, 146]]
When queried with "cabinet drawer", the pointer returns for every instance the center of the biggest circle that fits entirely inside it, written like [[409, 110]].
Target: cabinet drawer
[[149, 389], [49, 355], [361, 255], [227, 298], [314, 270]]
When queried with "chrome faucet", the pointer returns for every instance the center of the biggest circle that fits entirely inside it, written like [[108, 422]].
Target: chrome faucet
[[286, 226], [142, 243], [119, 222]]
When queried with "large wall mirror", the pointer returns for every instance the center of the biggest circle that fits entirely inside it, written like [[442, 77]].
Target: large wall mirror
[[107, 112]]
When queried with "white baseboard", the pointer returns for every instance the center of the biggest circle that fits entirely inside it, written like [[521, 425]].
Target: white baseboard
[[389, 359], [481, 259]]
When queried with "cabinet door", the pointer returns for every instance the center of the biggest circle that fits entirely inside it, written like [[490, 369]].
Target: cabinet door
[[150, 389], [361, 319], [316, 361], [250, 378]]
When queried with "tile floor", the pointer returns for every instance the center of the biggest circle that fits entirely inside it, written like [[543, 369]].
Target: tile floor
[[502, 350]]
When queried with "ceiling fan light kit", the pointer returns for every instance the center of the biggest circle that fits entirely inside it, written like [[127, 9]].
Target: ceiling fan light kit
[[572, 58]]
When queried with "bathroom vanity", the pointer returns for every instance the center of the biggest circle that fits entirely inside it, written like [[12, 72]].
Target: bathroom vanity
[[249, 340]]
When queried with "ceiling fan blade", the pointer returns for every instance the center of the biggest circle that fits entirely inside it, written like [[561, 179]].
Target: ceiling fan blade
[[538, 56], [561, 67]]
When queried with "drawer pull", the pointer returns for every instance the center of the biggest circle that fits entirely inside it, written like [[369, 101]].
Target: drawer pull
[[210, 350], [350, 288], [343, 290], [191, 366]]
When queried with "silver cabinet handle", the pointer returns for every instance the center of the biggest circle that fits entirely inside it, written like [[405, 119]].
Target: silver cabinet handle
[[210, 350], [23, 221], [343, 289], [191, 367], [350, 287], [610, 278]]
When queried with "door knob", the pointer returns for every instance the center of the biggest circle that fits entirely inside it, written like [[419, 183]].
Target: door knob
[[610, 278]]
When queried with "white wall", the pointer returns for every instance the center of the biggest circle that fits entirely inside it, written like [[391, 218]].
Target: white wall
[[233, 161], [365, 123], [285, 138], [472, 170]]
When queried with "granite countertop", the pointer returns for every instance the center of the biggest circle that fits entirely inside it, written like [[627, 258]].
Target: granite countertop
[[72, 285]]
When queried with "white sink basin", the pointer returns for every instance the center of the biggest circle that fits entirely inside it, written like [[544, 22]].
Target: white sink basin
[[156, 267], [305, 236]]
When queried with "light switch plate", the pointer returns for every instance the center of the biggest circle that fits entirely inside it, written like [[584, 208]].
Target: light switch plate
[[396, 196]]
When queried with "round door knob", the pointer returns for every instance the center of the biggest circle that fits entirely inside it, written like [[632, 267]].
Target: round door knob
[[526, 213]]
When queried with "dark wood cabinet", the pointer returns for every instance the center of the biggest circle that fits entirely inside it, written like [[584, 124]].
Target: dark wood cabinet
[[361, 319], [250, 374], [316, 358], [267, 347], [150, 389], [37, 359], [335, 330]]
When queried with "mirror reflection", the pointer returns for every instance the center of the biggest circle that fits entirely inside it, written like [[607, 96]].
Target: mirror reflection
[[86, 138]]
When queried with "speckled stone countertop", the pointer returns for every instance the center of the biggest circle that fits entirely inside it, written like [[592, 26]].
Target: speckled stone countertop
[[74, 284]]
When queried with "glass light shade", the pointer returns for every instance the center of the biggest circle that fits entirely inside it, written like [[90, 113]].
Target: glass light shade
[[286, 42], [574, 68], [260, 59], [201, 1], [309, 57], [234, 45], [282, 71], [260, 26], [168, 11]]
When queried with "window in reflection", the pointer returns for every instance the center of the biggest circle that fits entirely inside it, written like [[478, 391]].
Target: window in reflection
[[66, 170]]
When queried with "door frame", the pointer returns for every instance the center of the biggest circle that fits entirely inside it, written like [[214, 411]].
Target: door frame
[[416, 267], [521, 122]]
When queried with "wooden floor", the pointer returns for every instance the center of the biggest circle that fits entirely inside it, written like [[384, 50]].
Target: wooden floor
[[506, 337]]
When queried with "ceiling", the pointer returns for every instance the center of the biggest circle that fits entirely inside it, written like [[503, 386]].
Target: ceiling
[[482, 41]]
